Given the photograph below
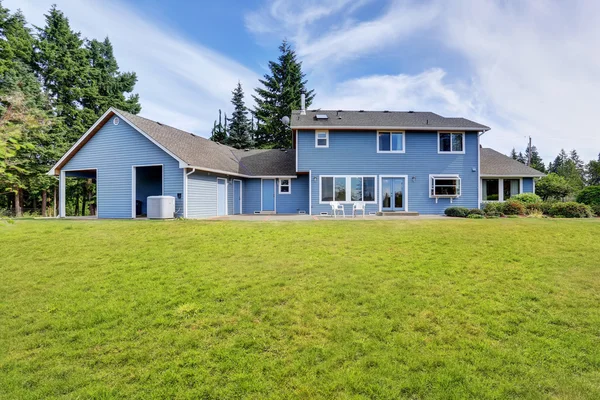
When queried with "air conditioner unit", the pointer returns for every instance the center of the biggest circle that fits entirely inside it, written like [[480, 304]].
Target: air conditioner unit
[[161, 207]]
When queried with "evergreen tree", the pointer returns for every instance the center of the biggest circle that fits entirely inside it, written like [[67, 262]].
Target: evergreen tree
[[593, 172], [536, 160], [558, 162], [513, 154], [219, 133], [579, 164], [280, 94], [239, 125]]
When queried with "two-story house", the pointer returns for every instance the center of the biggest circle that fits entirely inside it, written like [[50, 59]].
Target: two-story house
[[398, 162]]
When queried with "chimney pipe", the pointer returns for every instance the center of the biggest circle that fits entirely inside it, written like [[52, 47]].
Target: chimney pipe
[[303, 104]]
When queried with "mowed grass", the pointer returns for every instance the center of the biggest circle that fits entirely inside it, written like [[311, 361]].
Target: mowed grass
[[322, 309]]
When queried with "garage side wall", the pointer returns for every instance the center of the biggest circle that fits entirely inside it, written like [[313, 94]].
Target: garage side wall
[[113, 151]]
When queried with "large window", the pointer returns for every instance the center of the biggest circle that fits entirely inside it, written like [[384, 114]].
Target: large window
[[390, 142], [449, 142], [444, 186], [322, 139], [347, 188], [499, 189]]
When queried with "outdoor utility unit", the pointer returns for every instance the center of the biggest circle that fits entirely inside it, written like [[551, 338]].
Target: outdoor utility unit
[[160, 207]]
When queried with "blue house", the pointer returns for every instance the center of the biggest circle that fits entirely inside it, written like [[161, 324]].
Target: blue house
[[394, 162]]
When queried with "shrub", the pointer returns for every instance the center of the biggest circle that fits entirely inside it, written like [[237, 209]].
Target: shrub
[[527, 198], [475, 211], [460, 212], [475, 216], [535, 214], [590, 195], [553, 186], [533, 208], [513, 207], [570, 209], [596, 209], [546, 206], [493, 209]]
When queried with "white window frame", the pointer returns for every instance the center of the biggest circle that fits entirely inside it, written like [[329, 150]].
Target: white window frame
[[500, 187], [326, 132], [348, 188], [289, 185], [464, 142], [434, 177], [392, 151]]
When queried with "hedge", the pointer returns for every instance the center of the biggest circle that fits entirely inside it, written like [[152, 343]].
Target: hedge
[[590, 195], [527, 198], [513, 207], [570, 209], [460, 212]]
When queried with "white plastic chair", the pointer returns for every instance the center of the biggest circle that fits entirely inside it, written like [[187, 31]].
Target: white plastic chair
[[358, 206], [337, 207]]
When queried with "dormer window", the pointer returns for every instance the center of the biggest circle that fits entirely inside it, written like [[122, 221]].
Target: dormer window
[[322, 139]]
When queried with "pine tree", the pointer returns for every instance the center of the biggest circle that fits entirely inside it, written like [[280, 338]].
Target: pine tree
[[558, 162], [593, 172], [536, 160], [280, 94], [513, 154], [218, 134], [239, 125]]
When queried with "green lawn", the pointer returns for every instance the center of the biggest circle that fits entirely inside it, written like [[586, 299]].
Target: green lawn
[[506, 308]]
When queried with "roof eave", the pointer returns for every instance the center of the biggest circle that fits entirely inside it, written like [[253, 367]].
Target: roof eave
[[414, 128]]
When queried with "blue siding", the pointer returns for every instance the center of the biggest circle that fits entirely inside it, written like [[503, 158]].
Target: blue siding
[[251, 196], [355, 153], [295, 201], [527, 185], [113, 150]]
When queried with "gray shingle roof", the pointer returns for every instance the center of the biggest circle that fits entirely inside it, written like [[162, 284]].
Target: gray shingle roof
[[200, 152], [494, 163], [381, 119]]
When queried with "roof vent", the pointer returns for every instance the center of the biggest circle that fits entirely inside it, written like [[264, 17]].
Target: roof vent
[[361, 110], [246, 149], [159, 123], [410, 112], [386, 111], [321, 116]]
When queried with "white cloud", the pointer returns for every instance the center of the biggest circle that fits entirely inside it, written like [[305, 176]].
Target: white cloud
[[180, 83]]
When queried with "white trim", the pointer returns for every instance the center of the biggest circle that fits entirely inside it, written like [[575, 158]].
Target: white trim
[[512, 176], [241, 195], [406, 128], [296, 151], [479, 185], [391, 151], [226, 197], [326, 132], [310, 192], [62, 189], [274, 194], [381, 177], [464, 143], [348, 188], [185, 191], [89, 131], [289, 185], [500, 187], [449, 196], [227, 173], [134, 184]]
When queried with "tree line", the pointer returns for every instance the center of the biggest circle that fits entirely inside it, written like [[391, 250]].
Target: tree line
[[278, 94], [54, 84], [567, 175]]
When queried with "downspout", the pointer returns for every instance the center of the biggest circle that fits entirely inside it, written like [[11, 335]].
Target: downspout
[[479, 199]]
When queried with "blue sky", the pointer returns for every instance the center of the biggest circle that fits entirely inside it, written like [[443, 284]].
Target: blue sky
[[523, 68]]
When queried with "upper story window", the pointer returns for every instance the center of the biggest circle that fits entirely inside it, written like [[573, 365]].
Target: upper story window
[[321, 138], [285, 186], [444, 186], [451, 142], [390, 142]]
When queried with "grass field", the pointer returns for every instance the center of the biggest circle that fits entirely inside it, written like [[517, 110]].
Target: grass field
[[506, 308]]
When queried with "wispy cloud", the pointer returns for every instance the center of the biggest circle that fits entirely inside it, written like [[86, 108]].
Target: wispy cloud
[[180, 82]]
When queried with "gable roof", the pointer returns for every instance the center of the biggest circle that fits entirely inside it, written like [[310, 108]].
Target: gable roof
[[418, 120], [494, 163], [193, 151]]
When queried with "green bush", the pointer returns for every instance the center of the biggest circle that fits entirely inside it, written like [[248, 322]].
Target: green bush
[[570, 209], [533, 208], [553, 186], [527, 198], [475, 216], [513, 207], [475, 211], [460, 212], [590, 195], [493, 209], [596, 209], [546, 206]]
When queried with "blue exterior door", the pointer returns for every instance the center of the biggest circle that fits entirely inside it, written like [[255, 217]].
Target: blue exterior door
[[392, 194], [268, 195], [237, 197], [221, 197]]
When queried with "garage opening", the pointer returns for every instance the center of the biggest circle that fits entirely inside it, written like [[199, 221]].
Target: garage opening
[[148, 181], [80, 193]]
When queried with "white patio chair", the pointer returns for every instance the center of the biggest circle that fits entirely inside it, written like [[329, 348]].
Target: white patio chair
[[337, 207], [358, 206]]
